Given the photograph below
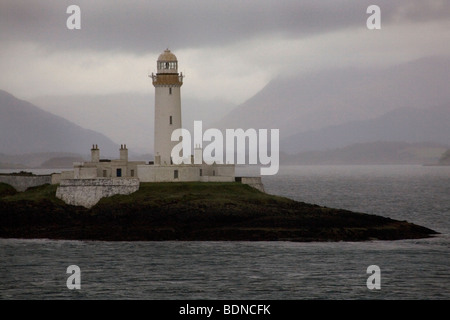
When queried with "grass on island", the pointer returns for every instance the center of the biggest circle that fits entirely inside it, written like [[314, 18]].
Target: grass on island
[[35, 194], [6, 190], [194, 193], [160, 194], [190, 211]]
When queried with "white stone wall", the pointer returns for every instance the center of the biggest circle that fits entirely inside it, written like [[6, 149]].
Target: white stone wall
[[151, 173], [254, 182], [85, 172], [56, 178], [216, 179], [226, 170], [106, 169], [154, 173], [22, 183], [67, 175], [87, 192]]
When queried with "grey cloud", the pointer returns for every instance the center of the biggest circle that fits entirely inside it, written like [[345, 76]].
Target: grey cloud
[[146, 26]]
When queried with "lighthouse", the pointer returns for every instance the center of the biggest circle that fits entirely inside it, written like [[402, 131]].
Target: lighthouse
[[167, 82], [121, 176]]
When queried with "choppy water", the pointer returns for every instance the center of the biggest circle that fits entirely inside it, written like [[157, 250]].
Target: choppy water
[[410, 269]]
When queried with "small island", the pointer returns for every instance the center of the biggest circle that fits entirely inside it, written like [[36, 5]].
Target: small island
[[190, 198], [190, 211]]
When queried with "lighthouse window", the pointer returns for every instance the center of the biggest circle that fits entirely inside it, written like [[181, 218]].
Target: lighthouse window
[[170, 120], [175, 174], [170, 90]]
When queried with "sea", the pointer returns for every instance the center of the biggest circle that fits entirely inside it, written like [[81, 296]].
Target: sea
[[175, 270]]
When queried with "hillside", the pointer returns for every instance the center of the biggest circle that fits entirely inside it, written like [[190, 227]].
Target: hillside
[[127, 117], [191, 211], [403, 124], [25, 128], [61, 162], [301, 105], [39, 160]]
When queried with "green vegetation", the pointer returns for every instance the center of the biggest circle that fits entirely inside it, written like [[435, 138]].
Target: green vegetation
[[191, 211], [445, 158], [21, 173], [6, 190], [211, 193], [45, 192]]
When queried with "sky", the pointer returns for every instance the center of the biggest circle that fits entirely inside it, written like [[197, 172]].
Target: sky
[[227, 49]]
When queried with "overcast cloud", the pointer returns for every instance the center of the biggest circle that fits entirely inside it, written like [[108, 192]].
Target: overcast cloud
[[228, 49]]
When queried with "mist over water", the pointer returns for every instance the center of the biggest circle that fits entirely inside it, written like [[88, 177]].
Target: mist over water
[[410, 269]]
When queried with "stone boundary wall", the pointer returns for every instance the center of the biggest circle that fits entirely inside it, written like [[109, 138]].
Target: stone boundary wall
[[87, 192], [22, 183], [254, 182], [216, 179]]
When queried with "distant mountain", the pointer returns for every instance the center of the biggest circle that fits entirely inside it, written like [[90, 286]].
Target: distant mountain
[[25, 128], [380, 152], [36, 160], [127, 117], [9, 165], [302, 103], [61, 162], [404, 124], [55, 160]]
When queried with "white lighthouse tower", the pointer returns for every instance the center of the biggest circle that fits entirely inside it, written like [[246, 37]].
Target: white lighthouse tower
[[167, 82]]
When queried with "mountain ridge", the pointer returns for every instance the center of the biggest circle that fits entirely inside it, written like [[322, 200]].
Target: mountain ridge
[[303, 103], [403, 124], [26, 128]]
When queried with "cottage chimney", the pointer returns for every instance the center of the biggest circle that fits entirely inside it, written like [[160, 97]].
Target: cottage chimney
[[158, 160], [95, 154], [123, 152], [198, 154]]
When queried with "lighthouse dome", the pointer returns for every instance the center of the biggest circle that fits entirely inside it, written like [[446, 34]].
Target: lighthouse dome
[[167, 62], [167, 56]]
